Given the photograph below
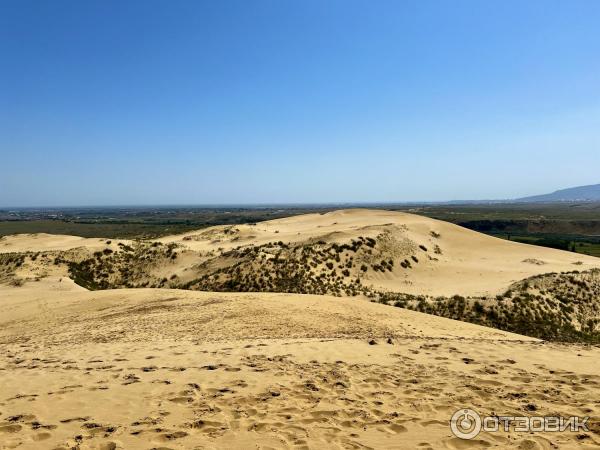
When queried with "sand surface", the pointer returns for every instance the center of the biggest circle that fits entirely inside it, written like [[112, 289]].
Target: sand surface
[[152, 368], [175, 369], [41, 242]]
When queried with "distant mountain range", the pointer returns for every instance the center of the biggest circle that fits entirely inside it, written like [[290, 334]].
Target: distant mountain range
[[590, 193]]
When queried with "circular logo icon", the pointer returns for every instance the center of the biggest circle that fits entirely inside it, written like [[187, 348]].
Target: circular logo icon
[[465, 424]]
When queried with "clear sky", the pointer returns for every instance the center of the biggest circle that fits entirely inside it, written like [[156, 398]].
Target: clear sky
[[191, 102]]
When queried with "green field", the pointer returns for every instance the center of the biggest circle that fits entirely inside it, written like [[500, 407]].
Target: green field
[[507, 211], [134, 223], [592, 249], [99, 229], [578, 244]]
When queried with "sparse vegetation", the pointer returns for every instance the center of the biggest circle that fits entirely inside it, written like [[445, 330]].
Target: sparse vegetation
[[554, 306]]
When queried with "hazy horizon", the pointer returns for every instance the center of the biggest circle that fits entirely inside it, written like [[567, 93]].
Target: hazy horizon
[[287, 204], [198, 103]]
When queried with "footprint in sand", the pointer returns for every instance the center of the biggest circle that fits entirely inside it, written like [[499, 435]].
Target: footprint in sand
[[171, 436], [41, 436], [10, 428]]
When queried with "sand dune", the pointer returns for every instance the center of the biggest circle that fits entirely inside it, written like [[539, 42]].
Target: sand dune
[[40, 242], [173, 314], [444, 259], [177, 369], [468, 262]]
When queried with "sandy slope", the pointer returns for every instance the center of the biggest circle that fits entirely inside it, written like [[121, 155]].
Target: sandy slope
[[40, 242], [469, 263], [177, 369]]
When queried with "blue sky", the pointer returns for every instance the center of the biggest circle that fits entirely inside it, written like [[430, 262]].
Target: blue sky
[[190, 102]]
